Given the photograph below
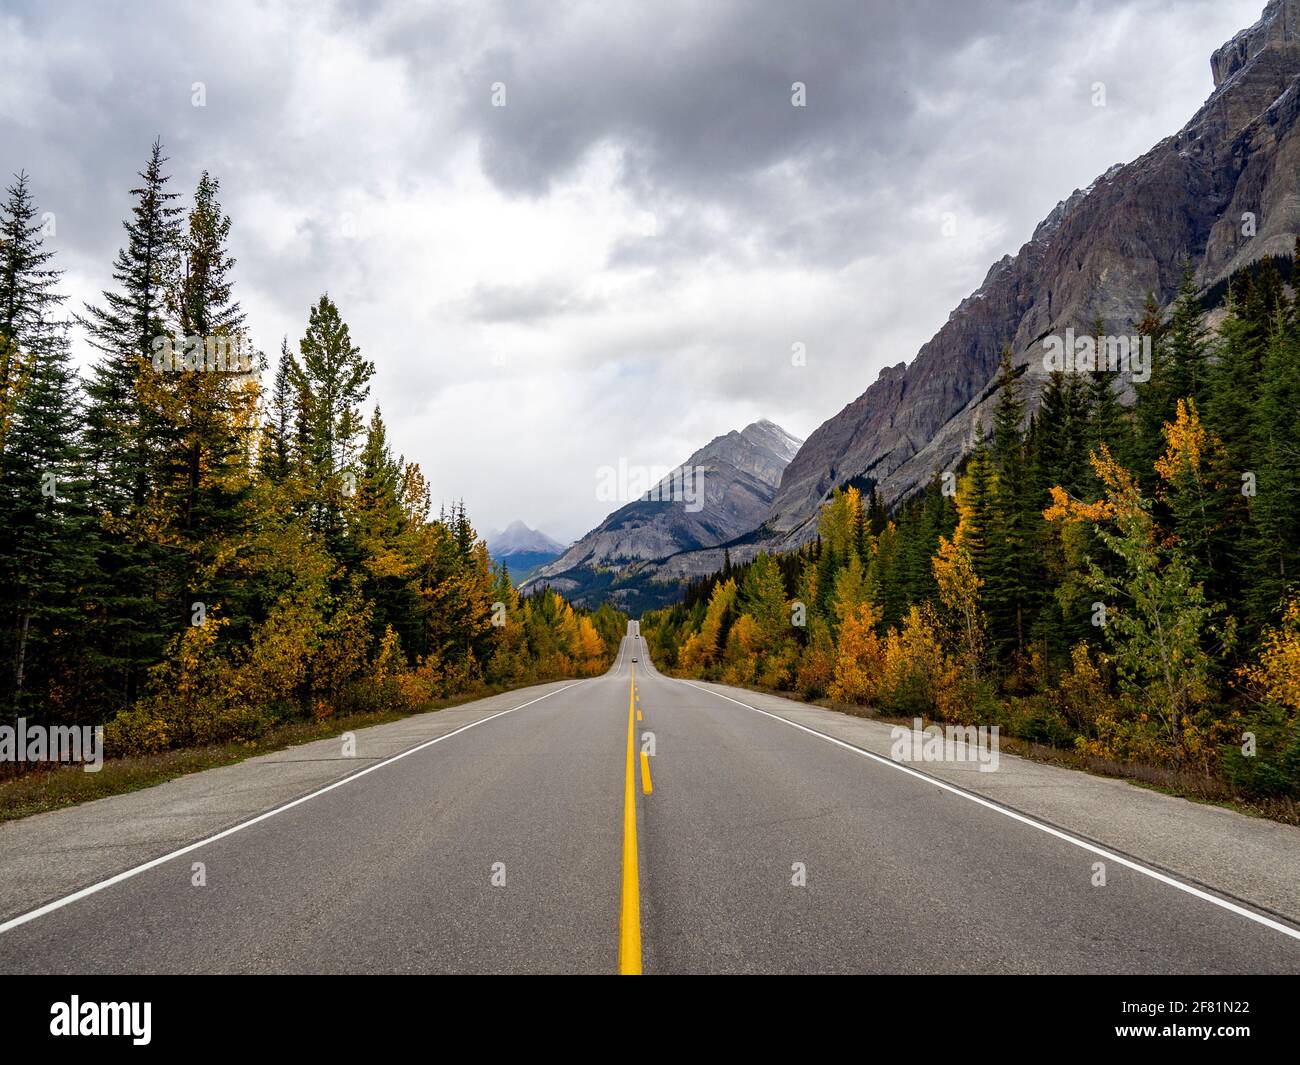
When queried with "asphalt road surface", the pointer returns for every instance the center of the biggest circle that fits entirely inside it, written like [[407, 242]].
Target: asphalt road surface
[[530, 844]]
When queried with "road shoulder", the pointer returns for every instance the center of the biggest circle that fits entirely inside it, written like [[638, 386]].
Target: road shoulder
[[50, 855], [1250, 860]]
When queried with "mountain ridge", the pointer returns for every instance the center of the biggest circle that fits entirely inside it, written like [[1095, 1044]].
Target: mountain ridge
[[738, 473], [1094, 257]]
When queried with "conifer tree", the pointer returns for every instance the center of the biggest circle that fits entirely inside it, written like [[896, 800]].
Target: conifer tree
[[277, 454], [47, 553], [204, 411], [379, 531], [1180, 370], [124, 330], [1275, 509], [1011, 548], [1107, 423], [28, 300], [331, 379], [47, 544]]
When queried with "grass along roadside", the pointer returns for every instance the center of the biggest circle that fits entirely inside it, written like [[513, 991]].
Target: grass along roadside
[[55, 787]]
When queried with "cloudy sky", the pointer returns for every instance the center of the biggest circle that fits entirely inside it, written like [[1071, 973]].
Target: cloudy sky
[[616, 263]]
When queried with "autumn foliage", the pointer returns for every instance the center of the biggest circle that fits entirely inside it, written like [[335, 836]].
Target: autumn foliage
[[1120, 581], [199, 542]]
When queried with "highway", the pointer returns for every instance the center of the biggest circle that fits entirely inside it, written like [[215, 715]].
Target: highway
[[541, 840]]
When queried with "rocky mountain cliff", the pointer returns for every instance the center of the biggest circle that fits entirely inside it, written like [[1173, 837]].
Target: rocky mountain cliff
[[737, 477], [1096, 256]]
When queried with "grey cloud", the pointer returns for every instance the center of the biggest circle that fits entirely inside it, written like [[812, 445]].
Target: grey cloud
[[520, 304], [914, 106]]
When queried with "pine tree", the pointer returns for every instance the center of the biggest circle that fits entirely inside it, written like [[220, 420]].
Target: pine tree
[[1194, 485], [1180, 370], [1230, 407], [128, 608], [975, 504], [884, 579], [47, 552], [1011, 553], [762, 597], [1154, 397], [279, 437], [1186, 348], [379, 531], [204, 413], [1275, 508], [1051, 435], [331, 381], [877, 515], [1107, 423], [28, 301], [126, 330]]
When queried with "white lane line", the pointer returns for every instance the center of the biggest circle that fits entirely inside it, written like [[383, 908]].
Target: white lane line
[[127, 874], [1091, 848]]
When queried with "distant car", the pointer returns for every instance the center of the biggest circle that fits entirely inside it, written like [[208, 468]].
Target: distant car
[[634, 658]]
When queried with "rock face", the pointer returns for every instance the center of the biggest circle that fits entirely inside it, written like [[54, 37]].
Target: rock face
[[1096, 256], [737, 477]]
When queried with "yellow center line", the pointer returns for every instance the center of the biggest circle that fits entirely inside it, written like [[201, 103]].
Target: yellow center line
[[629, 935], [646, 786]]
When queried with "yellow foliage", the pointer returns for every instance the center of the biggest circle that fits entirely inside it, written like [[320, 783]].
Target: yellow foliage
[[1119, 484], [1185, 443], [1275, 677], [700, 652], [959, 588], [914, 665], [815, 669], [589, 648], [1081, 694], [860, 657], [839, 522], [742, 643]]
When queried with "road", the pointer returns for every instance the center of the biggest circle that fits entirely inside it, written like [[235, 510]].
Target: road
[[528, 843]]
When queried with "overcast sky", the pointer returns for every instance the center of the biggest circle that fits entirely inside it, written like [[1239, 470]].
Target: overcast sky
[[616, 263]]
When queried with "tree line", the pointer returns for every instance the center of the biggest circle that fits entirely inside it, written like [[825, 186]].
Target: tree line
[[188, 555], [1120, 579]]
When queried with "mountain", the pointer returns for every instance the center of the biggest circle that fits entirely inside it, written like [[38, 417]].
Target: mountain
[[723, 491], [517, 538], [522, 549], [1095, 257]]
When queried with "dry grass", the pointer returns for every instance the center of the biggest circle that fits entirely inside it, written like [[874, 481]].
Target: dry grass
[[1184, 784], [52, 787]]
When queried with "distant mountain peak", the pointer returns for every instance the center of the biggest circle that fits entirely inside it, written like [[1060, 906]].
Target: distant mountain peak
[[517, 537], [768, 434], [742, 469]]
